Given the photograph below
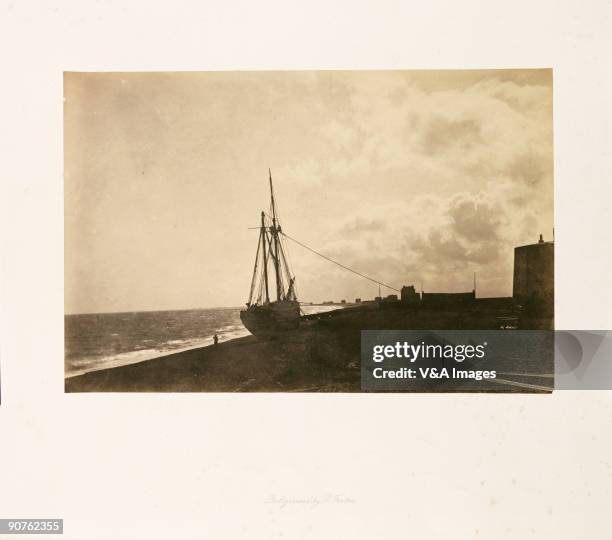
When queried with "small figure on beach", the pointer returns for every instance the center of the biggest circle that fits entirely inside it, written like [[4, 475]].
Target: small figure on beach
[[216, 339]]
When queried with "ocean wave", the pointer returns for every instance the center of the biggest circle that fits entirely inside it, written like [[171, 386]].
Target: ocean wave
[[102, 341], [85, 365]]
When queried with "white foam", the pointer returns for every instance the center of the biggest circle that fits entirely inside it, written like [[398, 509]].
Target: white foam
[[87, 365], [225, 333]]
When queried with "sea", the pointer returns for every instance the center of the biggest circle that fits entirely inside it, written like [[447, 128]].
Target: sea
[[104, 340]]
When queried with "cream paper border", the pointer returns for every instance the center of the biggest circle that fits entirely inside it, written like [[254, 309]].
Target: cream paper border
[[298, 466]]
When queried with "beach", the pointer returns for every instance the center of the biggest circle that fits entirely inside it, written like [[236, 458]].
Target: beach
[[323, 355], [99, 341], [302, 360]]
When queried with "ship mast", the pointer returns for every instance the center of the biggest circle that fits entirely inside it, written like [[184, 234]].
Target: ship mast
[[274, 231], [265, 257]]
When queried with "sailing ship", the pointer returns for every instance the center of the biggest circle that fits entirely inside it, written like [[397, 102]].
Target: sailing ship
[[272, 306]]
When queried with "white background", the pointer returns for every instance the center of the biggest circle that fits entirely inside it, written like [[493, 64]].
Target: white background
[[206, 466]]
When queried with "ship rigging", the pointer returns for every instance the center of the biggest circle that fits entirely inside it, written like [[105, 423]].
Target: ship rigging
[[273, 305], [263, 314]]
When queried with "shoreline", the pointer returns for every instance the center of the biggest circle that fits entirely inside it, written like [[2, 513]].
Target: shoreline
[[160, 354], [323, 355], [241, 364], [86, 357]]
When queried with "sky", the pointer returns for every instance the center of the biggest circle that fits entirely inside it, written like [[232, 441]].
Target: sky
[[408, 176]]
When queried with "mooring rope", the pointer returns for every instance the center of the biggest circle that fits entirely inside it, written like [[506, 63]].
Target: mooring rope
[[338, 263]]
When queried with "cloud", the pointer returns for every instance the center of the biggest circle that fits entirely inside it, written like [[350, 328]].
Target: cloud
[[529, 168], [406, 176], [441, 133], [362, 225], [470, 173]]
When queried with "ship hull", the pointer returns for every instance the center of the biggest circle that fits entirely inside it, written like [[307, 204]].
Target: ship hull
[[272, 318]]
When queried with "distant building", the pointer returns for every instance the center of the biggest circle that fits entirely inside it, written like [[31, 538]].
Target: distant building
[[377, 299], [409, 295], [357, 300], [343, 301], [390, 298], [534, 276]]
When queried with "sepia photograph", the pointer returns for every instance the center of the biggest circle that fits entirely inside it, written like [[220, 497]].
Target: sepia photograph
[[238, 231], [306, 271]]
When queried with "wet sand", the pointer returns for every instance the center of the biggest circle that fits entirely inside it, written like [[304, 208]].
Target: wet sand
[[321, 356], [302, 360]]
